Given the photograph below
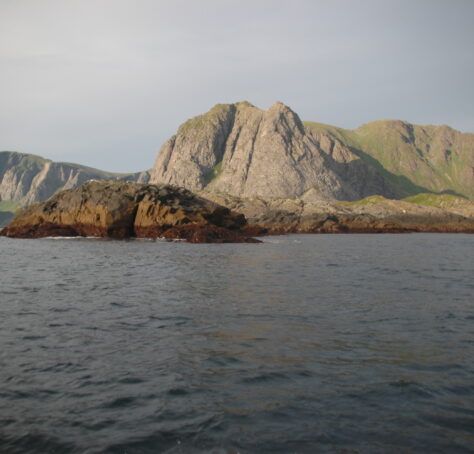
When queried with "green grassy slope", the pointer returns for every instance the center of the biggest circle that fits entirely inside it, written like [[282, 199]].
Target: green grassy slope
[[417, 158]]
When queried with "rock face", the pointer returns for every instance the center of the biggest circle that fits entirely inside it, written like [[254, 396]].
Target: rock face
[[244, 151], [25, 179], [375, 214], [126, 209], [241, 150]]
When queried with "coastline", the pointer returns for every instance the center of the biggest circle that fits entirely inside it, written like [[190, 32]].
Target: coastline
[[122, 210]]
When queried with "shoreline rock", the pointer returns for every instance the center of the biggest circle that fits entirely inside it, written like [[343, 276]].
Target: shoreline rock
[[372, 215], [120, 210]]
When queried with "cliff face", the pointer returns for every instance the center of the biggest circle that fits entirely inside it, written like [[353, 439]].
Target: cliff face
[[242, 150], [247, 152], [125, 209], [25, 179]]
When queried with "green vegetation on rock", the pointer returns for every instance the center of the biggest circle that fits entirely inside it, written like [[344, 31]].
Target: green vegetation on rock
[[213, 174], [437, 200], [200, 121], [371, 200], [416, 158], [9, 205]]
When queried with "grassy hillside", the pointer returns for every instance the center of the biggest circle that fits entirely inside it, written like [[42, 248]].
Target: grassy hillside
[[417, 158]]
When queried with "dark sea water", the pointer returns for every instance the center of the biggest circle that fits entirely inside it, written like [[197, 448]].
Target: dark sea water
[[303, 344]]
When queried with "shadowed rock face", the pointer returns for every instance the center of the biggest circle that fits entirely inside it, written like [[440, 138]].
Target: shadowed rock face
[[241, 150], [124, 210], [5, 217]]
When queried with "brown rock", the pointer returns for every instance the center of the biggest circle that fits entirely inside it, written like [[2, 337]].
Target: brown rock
[[124, 210], [372, 215]]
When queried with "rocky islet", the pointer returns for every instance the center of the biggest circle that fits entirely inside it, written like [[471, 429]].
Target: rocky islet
[[122, 210]]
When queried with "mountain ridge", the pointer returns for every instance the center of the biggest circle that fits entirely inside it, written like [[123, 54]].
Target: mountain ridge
[[27, 178], [245, 151]]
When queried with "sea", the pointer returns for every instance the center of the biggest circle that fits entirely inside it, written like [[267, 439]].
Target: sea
[[301, 344]]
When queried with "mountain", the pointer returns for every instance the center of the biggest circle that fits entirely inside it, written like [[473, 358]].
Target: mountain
[[26, 178], [240, 150], [433, 158], [248, 152]]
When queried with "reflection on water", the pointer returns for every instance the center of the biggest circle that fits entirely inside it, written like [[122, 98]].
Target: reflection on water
[[311, 343]]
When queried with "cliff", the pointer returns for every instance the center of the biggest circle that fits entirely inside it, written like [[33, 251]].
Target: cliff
[[124, 210], [25, 178], [244, 151]]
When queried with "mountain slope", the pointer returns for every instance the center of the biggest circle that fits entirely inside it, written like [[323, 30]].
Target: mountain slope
[[437, 158], [242, 150], [26, 178], [245, 151]]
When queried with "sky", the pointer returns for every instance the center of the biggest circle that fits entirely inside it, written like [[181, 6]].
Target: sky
[[105, 83]]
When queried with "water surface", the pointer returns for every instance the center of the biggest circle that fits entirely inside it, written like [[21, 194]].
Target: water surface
[[309, 343]]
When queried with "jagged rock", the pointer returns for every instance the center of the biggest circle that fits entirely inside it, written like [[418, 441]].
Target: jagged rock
[[244, 151], [247, 152], [126, 209]]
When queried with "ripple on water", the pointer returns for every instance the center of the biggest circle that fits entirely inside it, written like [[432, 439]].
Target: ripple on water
[[334, 344]]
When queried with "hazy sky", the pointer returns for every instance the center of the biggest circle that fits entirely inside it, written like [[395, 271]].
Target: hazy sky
[[105, 82]]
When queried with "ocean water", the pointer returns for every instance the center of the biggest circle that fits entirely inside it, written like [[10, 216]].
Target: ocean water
[[302, 344]]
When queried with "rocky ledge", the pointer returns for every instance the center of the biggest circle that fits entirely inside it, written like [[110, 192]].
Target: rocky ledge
[[375, 214], [117, 209]]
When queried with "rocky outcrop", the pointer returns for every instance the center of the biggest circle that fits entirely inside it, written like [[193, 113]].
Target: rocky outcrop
[[126, 209], [241, 150], [26, 178], [244, 151], [374, 214]]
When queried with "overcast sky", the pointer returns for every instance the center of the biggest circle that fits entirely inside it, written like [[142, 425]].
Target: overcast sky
[[105, 82]]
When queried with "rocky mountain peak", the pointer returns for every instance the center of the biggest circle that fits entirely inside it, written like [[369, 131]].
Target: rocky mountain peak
[[278, 105], [283, 114], [248, 152]]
